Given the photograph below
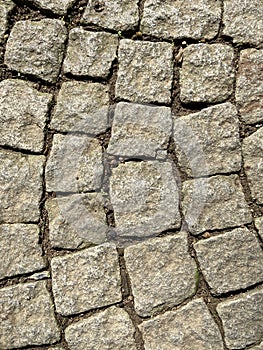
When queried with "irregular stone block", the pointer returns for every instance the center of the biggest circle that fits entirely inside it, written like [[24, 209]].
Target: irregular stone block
[[57, 6], [259, 226], [145, 71], [242, 318], [6, 6], [258, 347], [36, 47], [207, 73]]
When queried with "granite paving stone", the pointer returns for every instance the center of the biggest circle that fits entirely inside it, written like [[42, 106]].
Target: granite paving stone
[[57, 6], [259, 226], [6, 6]]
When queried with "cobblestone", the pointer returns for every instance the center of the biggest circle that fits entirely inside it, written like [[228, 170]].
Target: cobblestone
[[57, 6], [259, 226], [259, 347], [6, 7]]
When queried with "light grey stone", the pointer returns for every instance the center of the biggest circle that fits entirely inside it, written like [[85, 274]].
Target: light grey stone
[[57, 6], [19, 249], [162, 273], [6, 6], [190, 328], [259, 226], [207, 142], [253, 163], [207, 73], [21, 186], [36, 47], [139, 130], [118, 15], [23, 113], [90, 53], [243, 21], [86, 280], [145, 198], [249, 86], [40, 275], [258, 347], [27, 316], [198, 19], [242, 318], [214, 203], [145, 71], [111, 329], [81, 107], [230, 261]]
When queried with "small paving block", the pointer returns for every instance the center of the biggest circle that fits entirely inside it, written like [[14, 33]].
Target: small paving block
[[6, 6], [259, 226], [57, 6]]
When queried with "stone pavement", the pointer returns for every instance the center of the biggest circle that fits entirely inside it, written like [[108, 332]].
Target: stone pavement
[[131, 174]]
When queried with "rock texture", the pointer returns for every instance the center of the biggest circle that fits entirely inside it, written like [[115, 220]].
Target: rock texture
[[6, 7], [57, 6], [259, 226]]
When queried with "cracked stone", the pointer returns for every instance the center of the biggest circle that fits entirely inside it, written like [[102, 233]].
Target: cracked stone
[[21, 186], [111, 329], [145, 71], [162, 273], [23, 113], [139, 130], [242, 318], [6, 6], [207, 142], [86, 280], [190, 327], [36, 47], [118, 15], [249, 86], [196, 19], [207, 73], [90, 53], [259, 226], [81, 107], [214, 203], [253, 163], [243, 21], [57, 6], [230, 261], [27, 316]]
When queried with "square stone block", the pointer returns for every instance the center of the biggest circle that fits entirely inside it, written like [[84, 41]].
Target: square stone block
[[57, 6]]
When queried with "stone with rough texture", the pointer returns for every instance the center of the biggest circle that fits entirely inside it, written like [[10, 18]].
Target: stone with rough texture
[[86, 280], [57, 6], [81, 107], [207, 73], [6, 6], [259, 226], [214, 203], [21, 186], [36, 47], [23, 113], [190, 328], [207, 142], [198, 19], [117, 15], [230, 261], [162, 273], [242, 318], [111, 329], [139, 130], [249, 86], [145, 71], [243, 21], [253, 163], [90, 53], [27, 316], [19, 250], [258, 347], [145, 198]]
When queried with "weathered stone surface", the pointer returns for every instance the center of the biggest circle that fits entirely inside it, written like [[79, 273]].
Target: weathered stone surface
[[190, 327], [36, 47], [21, 186], [57, 6], [27, 316], [214, 203], [19, 249], [111, 329], [86, 280], [207, 73], [116, 15], [76, 221], [145, 71], [242, 318], [145, 198], [90, 53], [162, 273], [5, 7], [231, 261], [259, 225], [258, 347], [23, 112], [81, 107], [139, 130], [253, 163], [198, 19], [243, 21], [249, 86], [207, 142]]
